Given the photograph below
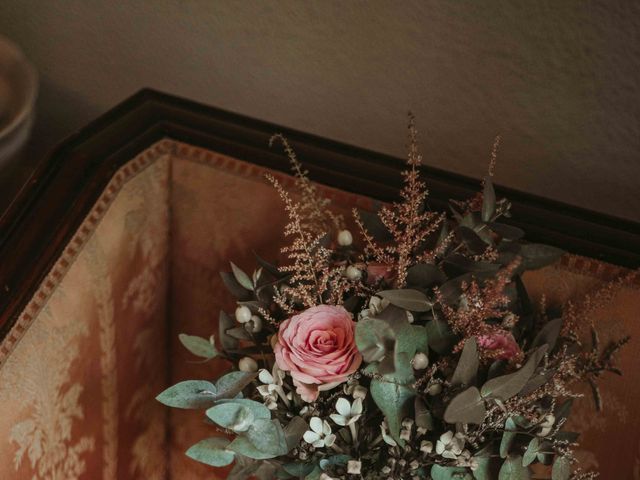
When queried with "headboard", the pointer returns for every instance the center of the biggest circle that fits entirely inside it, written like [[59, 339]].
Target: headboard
[[114, 247]]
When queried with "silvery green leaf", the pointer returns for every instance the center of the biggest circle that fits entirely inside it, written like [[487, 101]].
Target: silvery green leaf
[[199, 346], [439, 472], [424, 276], [238, 414], [394, 401], [508, 436], [548, 334], [212, 451], [488, 200], [531, 453], [238, 333], [225, 323], [374, 339], [512, 469], [299, 469], [293, 432], [268, 436], [506, 386], [537, 255], [244, 446], [471, 239], [334, 460], [466, 407], [315, 474], [189, 394], [234, 287], [243, 468], [440, 337], [508, 232], [233, 383], [408, 299], [241, 277], [467, 368], [561, 469]]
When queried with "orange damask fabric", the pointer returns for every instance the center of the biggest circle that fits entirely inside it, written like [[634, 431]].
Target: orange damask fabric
[[79, 373]]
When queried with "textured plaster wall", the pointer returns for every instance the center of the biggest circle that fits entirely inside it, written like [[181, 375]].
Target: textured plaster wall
[[559, 79]]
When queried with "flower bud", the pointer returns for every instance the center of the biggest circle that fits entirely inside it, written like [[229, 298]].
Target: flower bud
[[353, 273], [243, 314], [248, 365], [359, 392], [426, 446], [345, 238], [420, 361]]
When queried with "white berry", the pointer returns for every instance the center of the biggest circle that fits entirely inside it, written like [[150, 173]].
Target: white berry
[[243, 314], [248, 364], [353, 273], [345, 238], [420, 361]]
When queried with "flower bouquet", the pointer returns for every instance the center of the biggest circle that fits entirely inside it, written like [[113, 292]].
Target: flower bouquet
[[409, 350]]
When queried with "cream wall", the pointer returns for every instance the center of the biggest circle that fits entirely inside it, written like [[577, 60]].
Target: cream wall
[[559, 79]]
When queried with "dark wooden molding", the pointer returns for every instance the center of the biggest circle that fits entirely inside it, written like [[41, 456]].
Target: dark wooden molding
[[42, 219]]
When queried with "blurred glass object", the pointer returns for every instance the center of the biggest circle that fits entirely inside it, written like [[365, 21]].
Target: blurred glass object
[[18, 92]]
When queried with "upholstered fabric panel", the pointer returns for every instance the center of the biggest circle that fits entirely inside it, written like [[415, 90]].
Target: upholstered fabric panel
[[79, 372], [81, 367]]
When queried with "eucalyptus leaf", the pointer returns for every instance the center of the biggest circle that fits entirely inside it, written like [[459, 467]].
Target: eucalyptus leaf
[[299, 469], [241, 277], [268, 436], [471, 239], [243, 446], [488, 200], [334, 460], [199, 346], [440, 472], [212, 451], [225, 323], [508, 232], [537, 255], [467, 369], [231, 384], [234, 287], [484, 469], [238, 414], [531, 453], [424, 276], [440, 337], [394, 401], [466, 407], [512, 469], [374, 339], [196, 394], [293, 432], [561, 469], [408, 299], [506, 386], [548, 334], [508, 436]]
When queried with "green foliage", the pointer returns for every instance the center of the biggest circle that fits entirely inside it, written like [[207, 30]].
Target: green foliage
[[439, 472], [195, 394], [561, 469], [231, 384], [467, 369], [199, 346], [531, 453], [488, 200], [441, 338], [466, 407], [374, 338], [508, 436], [512, 469], [239, 414], [212, 451], [407, 299], [241, 277], [394, 400], [506, 386]]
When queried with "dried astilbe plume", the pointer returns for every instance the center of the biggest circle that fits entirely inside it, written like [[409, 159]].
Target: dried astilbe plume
[[313, 209], [409, 222]]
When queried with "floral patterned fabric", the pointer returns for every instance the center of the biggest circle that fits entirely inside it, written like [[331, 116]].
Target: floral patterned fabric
[[80, 370]]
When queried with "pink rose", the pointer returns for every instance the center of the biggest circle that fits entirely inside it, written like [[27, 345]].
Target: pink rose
[[500, 345], [317, 347]]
